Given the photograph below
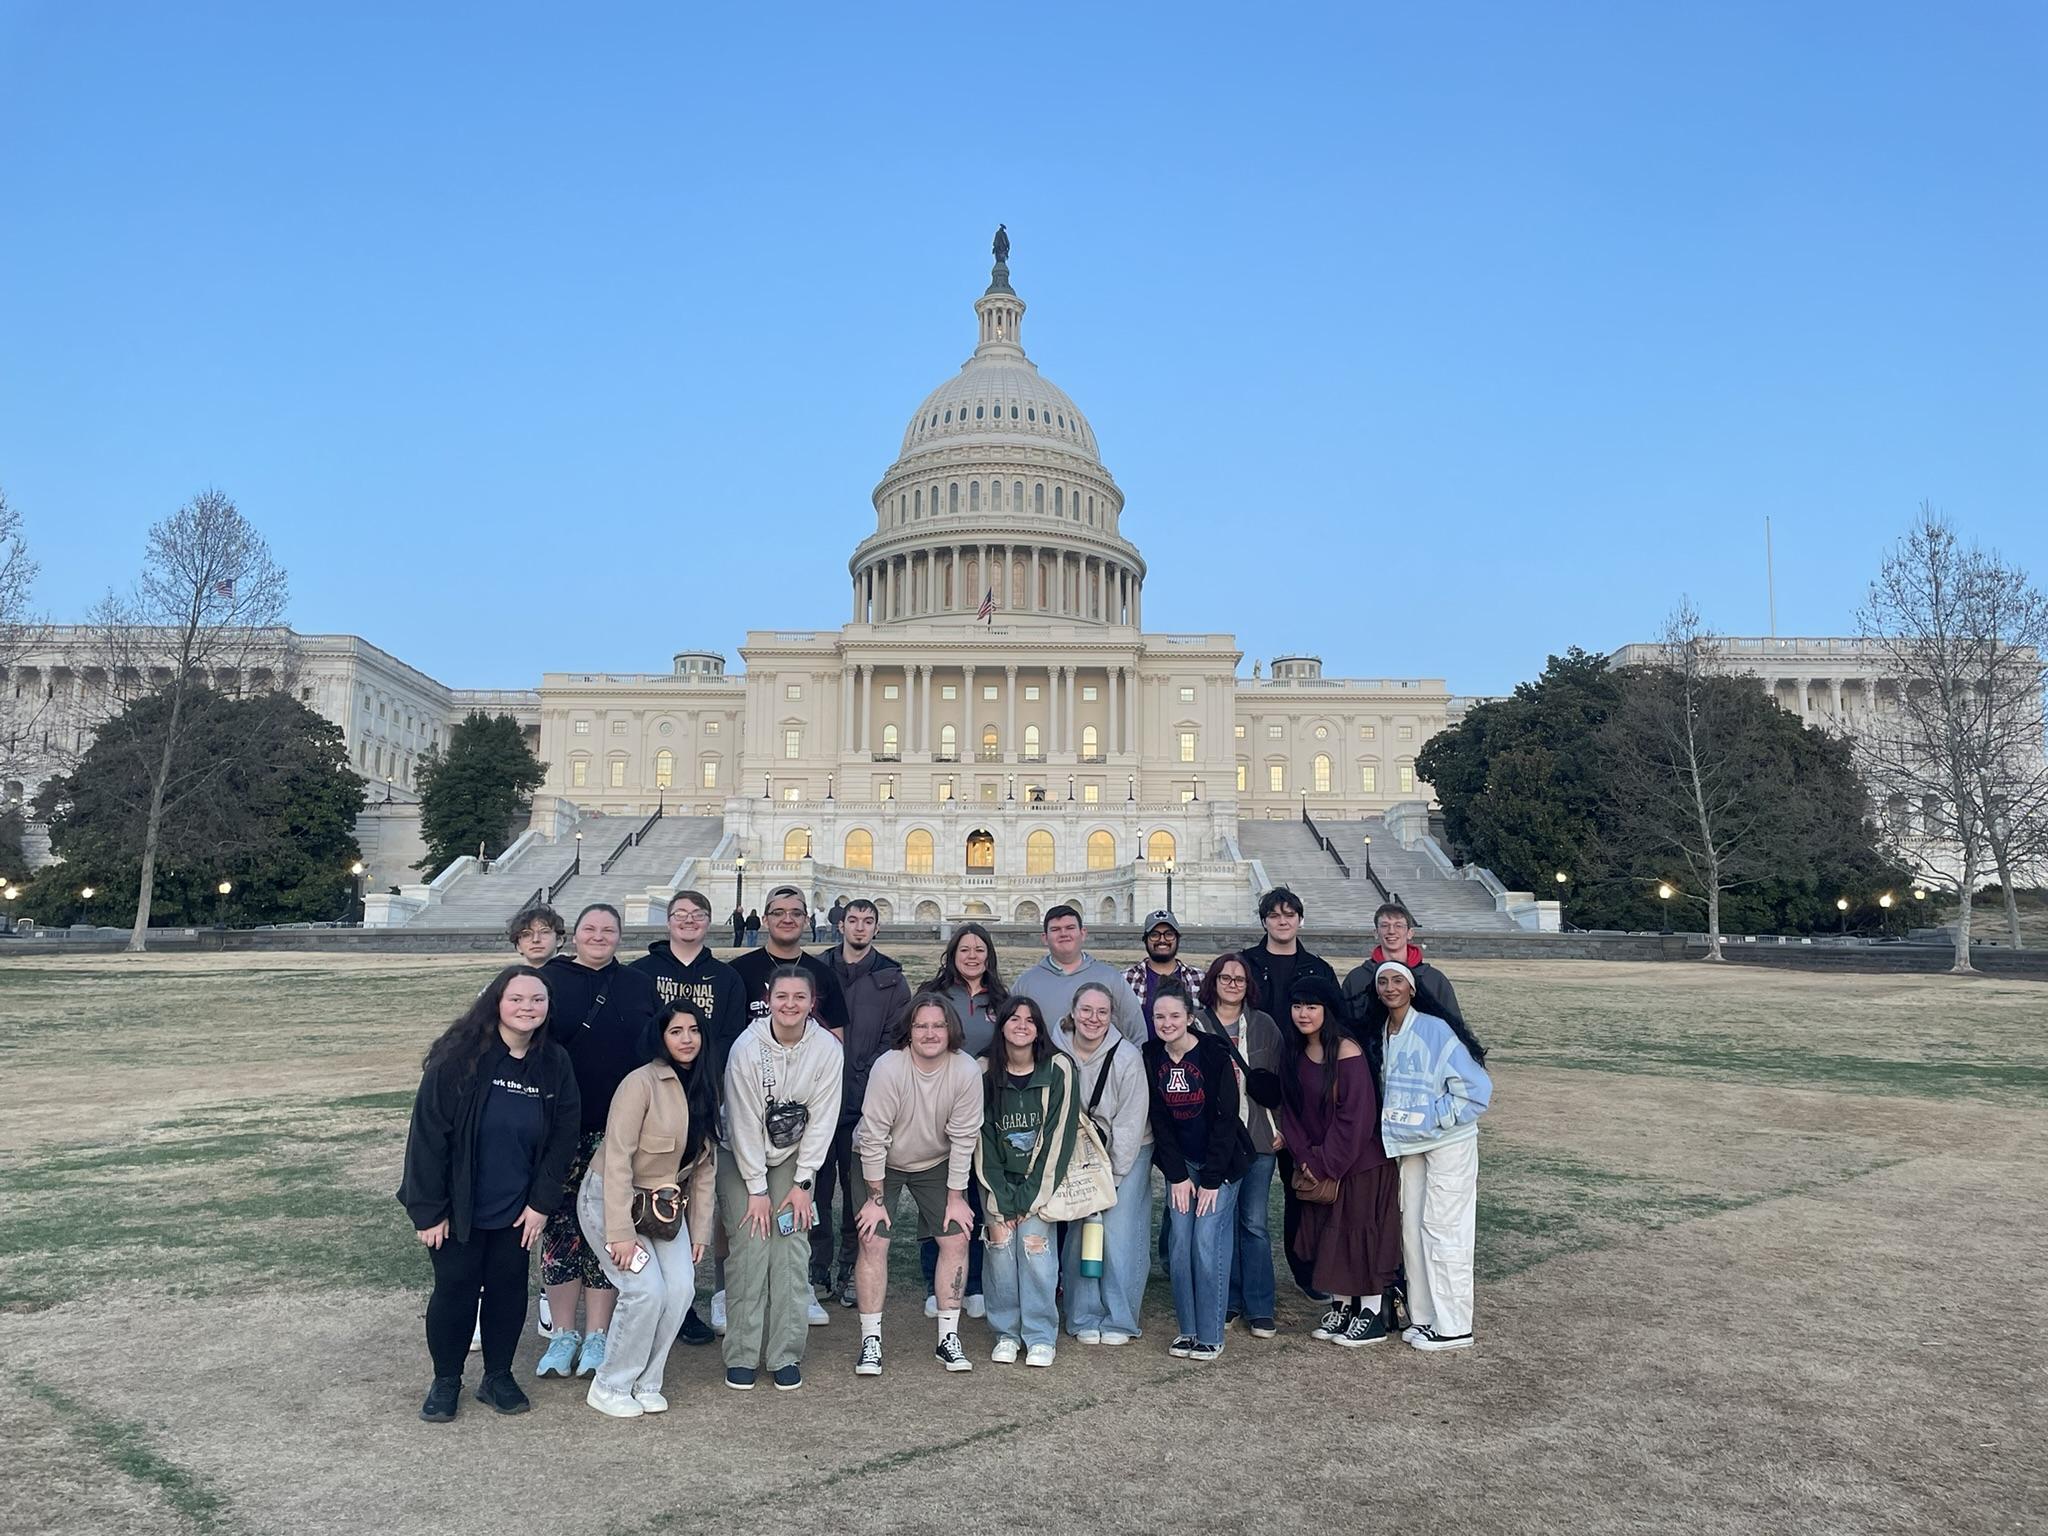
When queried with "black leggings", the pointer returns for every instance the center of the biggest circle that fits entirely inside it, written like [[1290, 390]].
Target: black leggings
[[494, 1264]]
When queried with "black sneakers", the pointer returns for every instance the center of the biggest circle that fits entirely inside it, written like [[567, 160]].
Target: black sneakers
[[694, 1330], [1364, 1328], [443, 1398], [789, 1377], [1181, 1347], [1262, 1327], [502, 1393], [951, 1355], [870, 1362], [1334, 1322]]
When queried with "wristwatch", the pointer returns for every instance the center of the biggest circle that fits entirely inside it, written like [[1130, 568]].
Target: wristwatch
[[804, 1185]]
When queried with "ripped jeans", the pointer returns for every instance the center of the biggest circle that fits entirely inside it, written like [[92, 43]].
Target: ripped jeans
[[1020, 1279]]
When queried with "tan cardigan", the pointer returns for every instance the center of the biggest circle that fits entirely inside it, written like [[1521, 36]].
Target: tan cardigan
[[643, 1148]]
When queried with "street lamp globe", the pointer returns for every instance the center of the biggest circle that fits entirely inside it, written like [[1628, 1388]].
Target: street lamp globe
[[1841, 903], [87, 893], [1885, 901], [1664, 891], [225, 886], [1563, 878]]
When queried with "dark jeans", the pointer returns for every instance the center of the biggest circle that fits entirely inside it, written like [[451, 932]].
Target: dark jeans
[[1303, 1270], [928, 1251], [490, 1264], [842, 1174]]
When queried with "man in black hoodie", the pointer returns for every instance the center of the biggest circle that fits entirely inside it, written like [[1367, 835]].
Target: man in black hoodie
[[1276, 962], [875, 992], [681, 967]]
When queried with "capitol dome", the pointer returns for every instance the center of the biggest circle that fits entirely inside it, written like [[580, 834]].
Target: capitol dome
[[999, 490]]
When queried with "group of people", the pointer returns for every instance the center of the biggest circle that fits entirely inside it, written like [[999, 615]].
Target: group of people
[[770, 1113]]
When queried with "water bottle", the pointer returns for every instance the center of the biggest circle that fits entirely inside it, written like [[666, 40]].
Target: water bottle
[[1091, 1247]]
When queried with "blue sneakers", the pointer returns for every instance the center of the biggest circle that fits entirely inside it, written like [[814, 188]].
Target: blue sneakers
[[592, 1355], [740, 1377], [560, 1359], [789, 1377]]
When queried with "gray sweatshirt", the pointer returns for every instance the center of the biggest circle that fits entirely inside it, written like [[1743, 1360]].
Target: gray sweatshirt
[[1053, 990], [807, 1072], [1126, 1103]]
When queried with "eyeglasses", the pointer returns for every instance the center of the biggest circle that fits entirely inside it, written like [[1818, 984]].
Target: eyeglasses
[[785, 912], [1228, 980]]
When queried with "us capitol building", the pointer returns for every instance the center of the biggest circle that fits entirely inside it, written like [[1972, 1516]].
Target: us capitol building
[[990, 731]]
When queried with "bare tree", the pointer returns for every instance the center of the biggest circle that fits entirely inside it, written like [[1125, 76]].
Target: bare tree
[[19, 634], [1953, 750], [1699, 777], [207, 611]]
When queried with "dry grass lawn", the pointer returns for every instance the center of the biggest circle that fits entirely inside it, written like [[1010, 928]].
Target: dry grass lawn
[[1758, 1252]]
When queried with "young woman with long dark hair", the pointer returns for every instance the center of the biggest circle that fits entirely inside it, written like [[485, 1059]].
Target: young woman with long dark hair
[[1329, 1115], [487, 1156], [658, 1141], [1030, 1116]]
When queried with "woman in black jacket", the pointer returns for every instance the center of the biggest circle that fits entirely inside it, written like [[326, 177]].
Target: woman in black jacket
[[494, 1128], [1201, 1148]]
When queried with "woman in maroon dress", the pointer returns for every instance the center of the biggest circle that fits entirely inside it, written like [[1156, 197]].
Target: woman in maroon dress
[[1330, 1123]]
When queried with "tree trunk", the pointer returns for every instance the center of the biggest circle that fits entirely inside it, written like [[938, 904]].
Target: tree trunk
[[1962, 965], [152, 830], [1714, 922], [2001, 858]]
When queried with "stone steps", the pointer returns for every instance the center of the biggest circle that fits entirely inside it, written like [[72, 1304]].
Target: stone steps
[[1292, 857]]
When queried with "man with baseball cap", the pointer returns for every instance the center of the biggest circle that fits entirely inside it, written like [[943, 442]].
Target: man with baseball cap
[[1162, 965]]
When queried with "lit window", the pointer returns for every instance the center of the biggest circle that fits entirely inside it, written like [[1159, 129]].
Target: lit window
[[581, 727], [1090, 741], [793, 792], [1187, 695], [710, 727], [888, 790], [618, 773], [1030, 741], [793, 742], [1031, 691], [710, 774], [792, 690], [860, 849], [1241, 773], [1186, 795], [917, 847], [948, 691], [1320, 768], [949, 739], [1101, 849], [1091, 794], [1276, 778], [1407, 778], [664, 769], [988, 690], [889, 739], [1088, 693], [1276, 732], [618, 727], [1187, 746], [1159, 847], [1368, 732], [1238, 731], [945, 791], [1038, 853], [1369, 778], [1405, 733], [1322, 733], [579, 774]]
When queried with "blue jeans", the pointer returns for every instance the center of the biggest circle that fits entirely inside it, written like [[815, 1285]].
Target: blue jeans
[[1021, 1279], [1251, 1258], [1198, 1255], [1110, 1303]]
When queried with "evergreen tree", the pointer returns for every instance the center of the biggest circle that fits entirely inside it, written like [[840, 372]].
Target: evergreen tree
[[476, 792]]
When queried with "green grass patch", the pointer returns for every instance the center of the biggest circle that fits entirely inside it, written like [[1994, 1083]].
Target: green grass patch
[[124, 1447]]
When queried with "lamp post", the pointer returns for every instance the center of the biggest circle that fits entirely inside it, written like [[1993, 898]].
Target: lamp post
[[220, 907], [1842, 911], [355, 873], [1563, 880], [828, 786], [576, 868], [1884, 904], [1011, 792], [1070, 789], [1368, 857], [1169, 885], [387, 789], [1664, 894], [1198, 788], [739, 883], [1131, 787]]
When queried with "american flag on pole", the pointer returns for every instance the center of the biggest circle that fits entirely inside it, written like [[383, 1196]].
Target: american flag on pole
[[987, 610]]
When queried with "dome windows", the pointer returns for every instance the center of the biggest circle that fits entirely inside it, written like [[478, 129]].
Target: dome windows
[[977, 413], [1031, 413], [1013, 413], [949, 418]]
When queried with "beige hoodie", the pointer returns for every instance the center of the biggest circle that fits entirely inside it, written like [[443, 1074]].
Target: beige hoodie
[[914, 1120]]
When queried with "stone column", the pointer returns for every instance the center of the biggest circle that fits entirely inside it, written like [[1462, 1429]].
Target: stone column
[[1010, 713], [968, 745], [926, 729], [1110, 733], [845, 709], [1035, 605], [1072, 740], [867, 705], [1130, 709], [1835, 697]]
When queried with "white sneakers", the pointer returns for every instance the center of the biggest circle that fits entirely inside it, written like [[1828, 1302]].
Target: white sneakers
[[545, 1323], [819, 1317], [718, 1311], [1088, 1336], [976, 1304], [1038, 1354], [1006, 1350], [650, 1401], [618, 1405]]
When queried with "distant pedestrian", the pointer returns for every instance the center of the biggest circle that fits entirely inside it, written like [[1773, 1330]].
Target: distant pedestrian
[[837, 914], [739, 928], [753, 928], [494, 1128]]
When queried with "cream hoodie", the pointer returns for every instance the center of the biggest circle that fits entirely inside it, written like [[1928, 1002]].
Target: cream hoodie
[[807, 1072]]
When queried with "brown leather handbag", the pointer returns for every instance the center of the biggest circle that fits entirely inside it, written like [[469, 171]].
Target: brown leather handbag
[[658, 1213], [1313, 1188]]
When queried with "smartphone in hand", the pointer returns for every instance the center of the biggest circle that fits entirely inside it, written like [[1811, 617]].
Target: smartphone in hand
[[785, 1222]]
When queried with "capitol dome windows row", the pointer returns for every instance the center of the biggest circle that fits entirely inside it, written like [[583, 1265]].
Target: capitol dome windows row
[[1028, 413], [1069, 503]]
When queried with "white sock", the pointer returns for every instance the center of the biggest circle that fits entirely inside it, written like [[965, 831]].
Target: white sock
[[949, 1322], [871, 1323], [1369, 1303]]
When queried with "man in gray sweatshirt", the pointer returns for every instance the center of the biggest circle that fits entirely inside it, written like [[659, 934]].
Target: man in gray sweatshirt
[[1052, 982]]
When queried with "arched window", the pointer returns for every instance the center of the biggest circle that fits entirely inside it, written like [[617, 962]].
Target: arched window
[[1101, 851], [889, 739], [1244, 773], [860, 849], [1038, 498], [974, 495], [917, 852], [1016, 495], [664, 769], [1159, 847], [1031, 741], [796, 843], [949, 741], [991, 745], [981, 852], [1089, 741], [1059, 497], [1038, 853], [1320, 768], [953, 496]]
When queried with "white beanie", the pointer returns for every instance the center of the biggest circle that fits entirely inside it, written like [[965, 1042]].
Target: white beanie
[[1395, 966]]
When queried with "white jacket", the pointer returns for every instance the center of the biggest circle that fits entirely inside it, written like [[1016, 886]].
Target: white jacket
[[807, 1072]]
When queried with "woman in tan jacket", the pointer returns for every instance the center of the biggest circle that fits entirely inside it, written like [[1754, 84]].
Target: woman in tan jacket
[[659, 1136]]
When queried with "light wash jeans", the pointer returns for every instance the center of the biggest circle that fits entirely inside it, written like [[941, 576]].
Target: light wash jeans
[[1020, 1279], [1251, 1257], [651, 1303], [1198, 1257], [1111, 1302]]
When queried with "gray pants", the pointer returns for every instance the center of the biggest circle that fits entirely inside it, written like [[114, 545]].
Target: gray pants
[[651, 1303], [767, 1280]]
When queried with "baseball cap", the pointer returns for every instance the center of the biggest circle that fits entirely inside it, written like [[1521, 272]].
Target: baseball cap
[[1154, 919]]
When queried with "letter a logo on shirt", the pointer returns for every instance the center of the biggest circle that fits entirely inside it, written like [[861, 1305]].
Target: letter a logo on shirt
[[1177, 1080]]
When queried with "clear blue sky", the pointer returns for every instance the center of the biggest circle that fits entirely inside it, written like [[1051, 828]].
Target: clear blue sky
[[1436, 338]]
